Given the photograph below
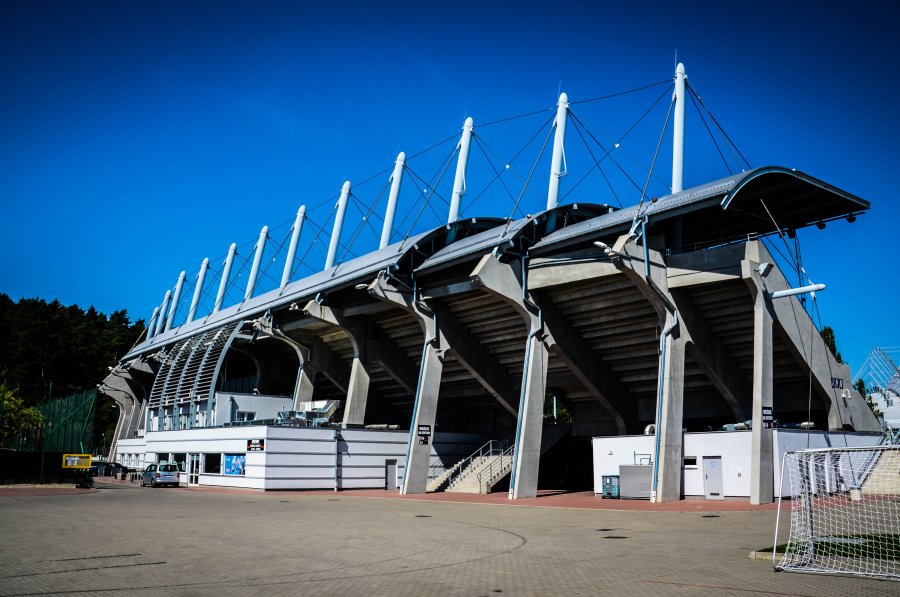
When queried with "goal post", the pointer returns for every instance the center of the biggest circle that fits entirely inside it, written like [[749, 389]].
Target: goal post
[[845, 512]]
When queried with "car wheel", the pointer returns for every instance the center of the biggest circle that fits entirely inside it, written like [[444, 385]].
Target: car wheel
[[142, 482], [152, 483]]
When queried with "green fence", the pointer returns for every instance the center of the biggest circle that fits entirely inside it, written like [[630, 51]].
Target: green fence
[[68, 426]]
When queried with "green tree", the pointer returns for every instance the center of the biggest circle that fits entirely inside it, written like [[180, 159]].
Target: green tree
[[828, 337], [860, 387], [48, 345], [15, 417]]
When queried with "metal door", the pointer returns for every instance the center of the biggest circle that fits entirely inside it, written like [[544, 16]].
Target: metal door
[[712, 477], [390, 474], [194, 469]]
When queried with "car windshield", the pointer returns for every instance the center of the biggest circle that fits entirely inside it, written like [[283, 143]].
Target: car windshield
[[168, 468]]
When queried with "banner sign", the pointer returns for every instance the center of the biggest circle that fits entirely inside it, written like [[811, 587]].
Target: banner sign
[[256, 445], [76, 461], [424, 433], [234, 464]]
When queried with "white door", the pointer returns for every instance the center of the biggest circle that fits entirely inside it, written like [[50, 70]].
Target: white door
[[712, 477]]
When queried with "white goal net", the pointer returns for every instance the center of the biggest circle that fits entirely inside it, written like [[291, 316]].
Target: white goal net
[[845, 511]]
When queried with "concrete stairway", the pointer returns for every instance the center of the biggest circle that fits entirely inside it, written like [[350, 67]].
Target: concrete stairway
[[884, 478], [494, 461]]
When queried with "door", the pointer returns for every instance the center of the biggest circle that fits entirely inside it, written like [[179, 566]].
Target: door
[[712, 477], [390, 474], [193, 469]]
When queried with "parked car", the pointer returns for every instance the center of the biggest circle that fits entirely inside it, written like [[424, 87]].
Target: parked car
[[160, 474]]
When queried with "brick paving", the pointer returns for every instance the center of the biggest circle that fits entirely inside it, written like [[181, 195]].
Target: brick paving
[[128, 540]]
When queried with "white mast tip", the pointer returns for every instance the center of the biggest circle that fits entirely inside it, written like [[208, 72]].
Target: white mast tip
[[469, 122], [563, 98]]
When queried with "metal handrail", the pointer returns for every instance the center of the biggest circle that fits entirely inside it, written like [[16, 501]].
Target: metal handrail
[[501, 467], [492, 447], [436, 466]]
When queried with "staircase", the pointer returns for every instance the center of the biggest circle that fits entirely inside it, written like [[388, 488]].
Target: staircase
[[491, 463], [882, 480]]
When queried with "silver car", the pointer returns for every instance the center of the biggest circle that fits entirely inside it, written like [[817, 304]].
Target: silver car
[[160, 474]]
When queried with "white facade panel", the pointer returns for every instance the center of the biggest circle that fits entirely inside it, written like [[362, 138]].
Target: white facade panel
[[296, 457], [733, 447]]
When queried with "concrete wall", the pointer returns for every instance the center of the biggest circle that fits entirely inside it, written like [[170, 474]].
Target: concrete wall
[[733, 447], [130, 452], [293, 458]]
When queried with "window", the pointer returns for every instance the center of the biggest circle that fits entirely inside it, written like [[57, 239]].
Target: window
[[243, 415], [151, 468], [180, 460], [234, 464], [168, 468], [212, 464], [690, 462]]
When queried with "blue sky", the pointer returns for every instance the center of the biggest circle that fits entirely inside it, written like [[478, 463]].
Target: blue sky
[[140, 137]]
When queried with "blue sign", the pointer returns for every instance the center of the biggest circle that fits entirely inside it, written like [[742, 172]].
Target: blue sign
[[234, 464]]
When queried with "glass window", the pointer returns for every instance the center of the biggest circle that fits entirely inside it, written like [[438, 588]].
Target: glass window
[[234, 464], [690, 462], [212, 464], [168, 468], [180, 460]]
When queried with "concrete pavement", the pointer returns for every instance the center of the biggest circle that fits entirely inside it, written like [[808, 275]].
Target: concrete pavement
[[128, 540]]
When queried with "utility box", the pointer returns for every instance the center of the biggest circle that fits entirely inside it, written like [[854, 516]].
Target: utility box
[[634, 481], [610, 487]]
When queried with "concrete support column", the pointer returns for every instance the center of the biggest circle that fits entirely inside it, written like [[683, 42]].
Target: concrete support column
[[428, 384], [529, 429], [358, 385], [500, 280], [418, 455], [670, 424], [303, 388], [762, 482], [357, 394]]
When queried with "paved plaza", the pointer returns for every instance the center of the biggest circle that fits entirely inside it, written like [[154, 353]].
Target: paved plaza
[[128, 540]]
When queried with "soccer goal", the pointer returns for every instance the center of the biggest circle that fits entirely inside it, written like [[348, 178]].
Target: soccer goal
[[845, 512]]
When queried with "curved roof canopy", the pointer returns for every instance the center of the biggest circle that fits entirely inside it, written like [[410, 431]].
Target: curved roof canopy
[[753, 203]]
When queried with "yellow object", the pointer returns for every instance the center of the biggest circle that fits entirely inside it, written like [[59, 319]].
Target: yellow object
[[76, 461]]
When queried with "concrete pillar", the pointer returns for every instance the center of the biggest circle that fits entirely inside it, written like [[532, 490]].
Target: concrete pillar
[[431, 369], [303, 389], [762, 483], [357, 394], [358, 385], [418, 455], [669, 426], [529, 429]]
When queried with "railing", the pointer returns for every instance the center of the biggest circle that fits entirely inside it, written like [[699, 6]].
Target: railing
[[437, 465], [492, 448], [498, 468], [551, 434]]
